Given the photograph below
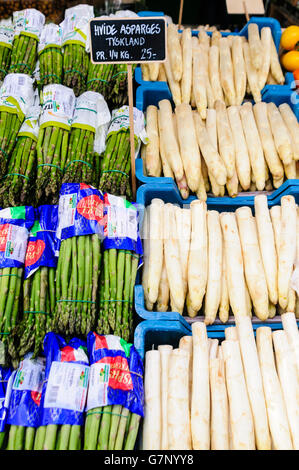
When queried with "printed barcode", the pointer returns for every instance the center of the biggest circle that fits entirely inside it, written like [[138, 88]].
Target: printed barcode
[[21, 81], [71, 379], [53, 393]]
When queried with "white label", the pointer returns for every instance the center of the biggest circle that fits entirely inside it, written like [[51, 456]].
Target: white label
[[29, 20], [98, 385], [66, 212], [31, 122], [29, 376], [67, 386], [121, 220], [16, 243], [51, 36], [20, 87], [59, 104]]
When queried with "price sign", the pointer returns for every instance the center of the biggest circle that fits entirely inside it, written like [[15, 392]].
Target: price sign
[[128, 40]]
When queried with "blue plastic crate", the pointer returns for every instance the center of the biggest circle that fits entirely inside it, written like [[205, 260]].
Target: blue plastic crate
[[151, 334], [260, 21], [153, 92], [150, 13], [170, 193]]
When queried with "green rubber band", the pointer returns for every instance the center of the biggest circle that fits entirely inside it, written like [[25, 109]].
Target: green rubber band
[[134, 256], [5, 333], [18, 65], [50, 164], [10, 275], [74, 70], [82, 161], [49, 75], [119, 73], [115, 171], [4, 153], [82, 301], [97, 80], [16, 174], [37, 311], [105, 413]]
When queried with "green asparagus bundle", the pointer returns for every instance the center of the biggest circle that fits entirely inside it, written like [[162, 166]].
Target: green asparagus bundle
[[119, 93], [117, 283], [50, 54], [91, 115], [100, 79], [116, 165], [21, 438], [62, 418], [16, 98], [17, 185], [112, 419], [28, 25], [75, 67], [14, 225], [52, 144], [6, 38], [77, 278]]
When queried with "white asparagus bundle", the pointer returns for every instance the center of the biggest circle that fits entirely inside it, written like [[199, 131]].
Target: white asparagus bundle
[[219, 407], [254, 145], [162, 74], [224, 300], [241, 422], [167, 171], [290, 327], [275, 66], [153, 68], [186, 343], [200, 402], [179, 435], [254, 382], [183, 225], [163, 293], [214, 74], [240, 78], [263, 72], [169, 142], [172, 259], [198, 255], [211, 126], [292, 125], [226, 71], [277, 414], [146, 247], [209, 89], [213, 291], [242, 157], [253, 264], [186, 83], [267, 245], [173, 84], [213, 347], [155, 259], [288, 381], [212, 159], [287, 250], [252, 76], [165, 352], [275, 213], [280, 133], [255, 46], [234, 264], [175, 53], [188, 145], [152, 152], [199, 80], [151, 438], [145, 72], [266, 137], [225, 138], [231, 333]]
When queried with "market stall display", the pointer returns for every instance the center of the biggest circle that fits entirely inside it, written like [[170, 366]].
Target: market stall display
[[233, 392], [205, 262]]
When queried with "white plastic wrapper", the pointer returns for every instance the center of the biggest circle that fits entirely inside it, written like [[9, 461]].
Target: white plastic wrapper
[[29, 21], [92, 112], [121, 120], [6, 32], [75, 26], [51, 36], [30, 126], [58, 106], [17, 92]]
